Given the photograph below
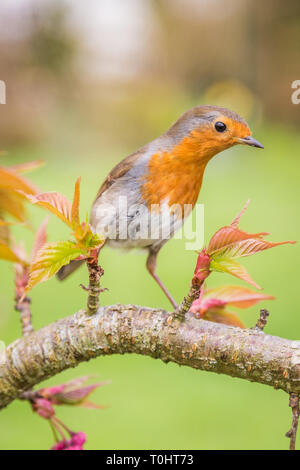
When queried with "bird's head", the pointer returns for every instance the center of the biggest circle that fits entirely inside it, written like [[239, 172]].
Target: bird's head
[[208, 130]]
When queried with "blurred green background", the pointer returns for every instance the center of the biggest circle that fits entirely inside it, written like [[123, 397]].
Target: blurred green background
[[84, 89]]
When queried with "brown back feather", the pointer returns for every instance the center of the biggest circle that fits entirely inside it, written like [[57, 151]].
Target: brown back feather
[[118, 171]]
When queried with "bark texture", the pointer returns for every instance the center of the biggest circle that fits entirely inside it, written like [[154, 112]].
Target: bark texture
[[95, 272], [118, 329]]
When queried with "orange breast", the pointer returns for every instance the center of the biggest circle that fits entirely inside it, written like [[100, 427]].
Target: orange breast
[[176, 176]]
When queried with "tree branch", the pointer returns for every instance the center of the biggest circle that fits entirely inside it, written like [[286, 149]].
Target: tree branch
[[119, 329]]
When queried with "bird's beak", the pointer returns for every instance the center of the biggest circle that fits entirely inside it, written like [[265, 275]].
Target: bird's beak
[[250, 141]]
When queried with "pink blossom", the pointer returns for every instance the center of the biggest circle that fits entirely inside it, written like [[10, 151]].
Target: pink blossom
[[51, 391], [61, 445], [78, 438], [44, 408], [75, 443], [71, 393]]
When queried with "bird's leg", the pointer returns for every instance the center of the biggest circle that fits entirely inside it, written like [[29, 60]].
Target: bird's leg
[[151, 266]]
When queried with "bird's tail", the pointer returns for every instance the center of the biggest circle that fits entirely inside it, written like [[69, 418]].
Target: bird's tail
[[65, 271]]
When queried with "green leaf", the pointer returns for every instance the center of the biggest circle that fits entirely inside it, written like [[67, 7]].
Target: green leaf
[[50, 259], [233, 268], [96, 241]]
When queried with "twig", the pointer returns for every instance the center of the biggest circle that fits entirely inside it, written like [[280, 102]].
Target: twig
[[29, 395], [292, 433], [94, 289], [201, 273], [22, 302], [22, 305], [183, 308], [262, 321], [84, 287], [25, 315]]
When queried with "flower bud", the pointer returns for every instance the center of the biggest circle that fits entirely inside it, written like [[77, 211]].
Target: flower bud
[[202, 270]]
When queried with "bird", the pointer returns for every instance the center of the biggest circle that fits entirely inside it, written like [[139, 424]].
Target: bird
[[142, 190]]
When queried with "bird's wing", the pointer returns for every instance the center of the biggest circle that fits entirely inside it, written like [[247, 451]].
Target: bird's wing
[[118, 171]]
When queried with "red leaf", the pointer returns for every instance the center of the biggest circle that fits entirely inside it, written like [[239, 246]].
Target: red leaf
[[228, 235], [27, 166], [236, 220], [40, 238], [76, 395], [56, 203], [91, 405], [12, 203], [75, 206], [246, 247], [9, 179], [227, 318], [6, 253], [230, 242], [239, 296], [201, 306], [72, 393], [211, 306]]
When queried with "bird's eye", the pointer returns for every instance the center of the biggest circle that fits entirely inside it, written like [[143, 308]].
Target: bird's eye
[[220, 126]]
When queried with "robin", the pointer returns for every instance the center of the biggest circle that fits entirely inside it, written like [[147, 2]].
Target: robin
[[151, 187]]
